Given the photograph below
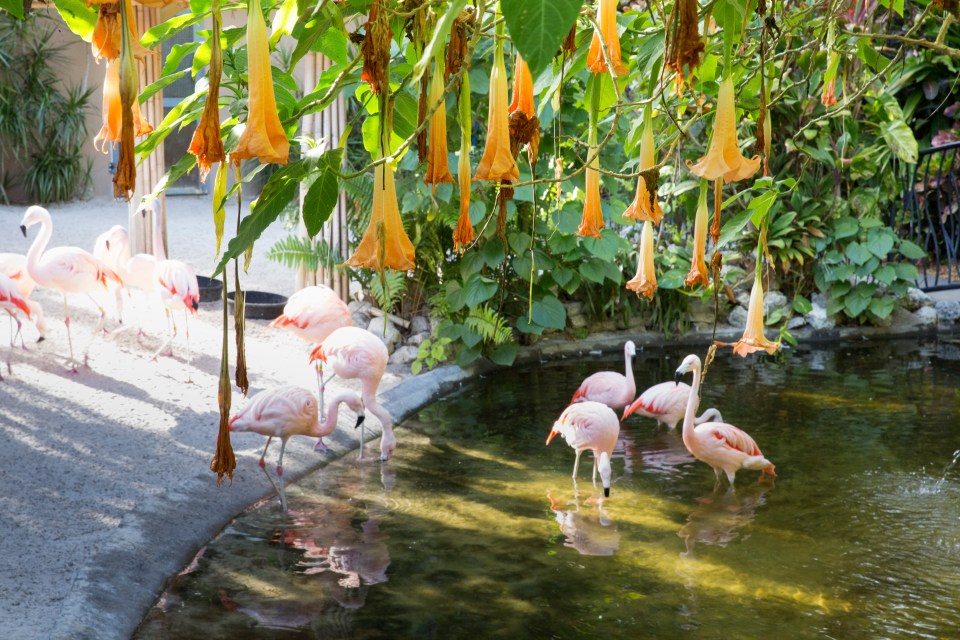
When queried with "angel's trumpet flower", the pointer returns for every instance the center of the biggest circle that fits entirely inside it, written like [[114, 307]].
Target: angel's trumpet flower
[[522, 89], [753, 338], [110, 131], [592, 221], [524, 123], [497, 162], [463, 234], [645, 205], [645, 280], [685, 46], [263, 137], [438, 169], [607, 21], [385, 244], [723, 159], [131, 122], [105, 40], [698, 266], [829, 97], [206, 143]]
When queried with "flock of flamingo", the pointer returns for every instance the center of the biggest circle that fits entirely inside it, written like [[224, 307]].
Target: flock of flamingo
[[590, 424], [317, 315]]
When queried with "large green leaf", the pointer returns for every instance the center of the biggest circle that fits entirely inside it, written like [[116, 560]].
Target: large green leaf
[[80, 17], [504, 354], [13, 7], [857, 253], [549, 312], [322, 196], [538, 27], [880, 242], [477, 290], [169, 28], [911, 251]]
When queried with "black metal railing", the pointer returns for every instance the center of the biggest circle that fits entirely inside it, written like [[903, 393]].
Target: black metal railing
[[930, 215]]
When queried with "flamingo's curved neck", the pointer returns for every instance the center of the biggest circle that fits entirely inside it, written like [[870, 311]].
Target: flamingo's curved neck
[[36, 250], [628, 366], [158, 251], [689, 417], [328, 422]]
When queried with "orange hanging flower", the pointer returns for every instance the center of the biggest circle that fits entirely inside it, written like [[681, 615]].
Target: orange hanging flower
[[385, 244], [592, 221], [105, 40], [263, 137], [645, 280], [829, 97], [698, 266], [376, 50], [463, 234], [206, 143], [438, 169], [645, 205], [607, 21], [723, 159], [753, 338], [131, 121], [522, 89], [497, 162]]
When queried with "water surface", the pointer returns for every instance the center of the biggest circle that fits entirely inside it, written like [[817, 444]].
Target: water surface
[[476, 530]]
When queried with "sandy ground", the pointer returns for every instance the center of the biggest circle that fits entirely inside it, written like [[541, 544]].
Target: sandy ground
[[105, 474]]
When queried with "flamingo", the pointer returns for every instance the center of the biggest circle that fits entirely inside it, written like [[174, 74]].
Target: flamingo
[[313, 313], [666, 403], [288, 411], [14, 266], [609, 387], [176, 282], [67, 269], [138, 270], [112, 248], [356, 353], [13, 302], [722, 446], [594, 426]]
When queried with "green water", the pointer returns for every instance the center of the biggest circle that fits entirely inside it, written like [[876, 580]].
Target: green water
[[475, 529]]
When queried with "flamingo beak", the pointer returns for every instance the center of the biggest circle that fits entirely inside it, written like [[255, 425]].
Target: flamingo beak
[[107, 242], [550, 437], [360, 418], [23, 229], [194, 303], [232, 420], [606, 492], [677, 376]]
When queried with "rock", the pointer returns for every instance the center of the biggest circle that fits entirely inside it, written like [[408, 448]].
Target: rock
[[737, 317], [577, 321], [384, 329], [420, 324], [796, 322], [417, 339], [902, 319], [926, 316], [818, 318], [819, 299], [702, 313], [573, 308], [773, 300], [743, 299], [948, 310], [404, 355], [915, 299], [360, 312]]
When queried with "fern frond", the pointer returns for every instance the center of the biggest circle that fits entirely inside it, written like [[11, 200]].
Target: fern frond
[[489, 325], [296, 251], [395, 285]]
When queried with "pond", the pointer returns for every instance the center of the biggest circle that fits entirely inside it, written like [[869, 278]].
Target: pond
[[476, 530]]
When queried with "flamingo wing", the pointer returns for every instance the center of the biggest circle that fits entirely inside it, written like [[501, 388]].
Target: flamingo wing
[[10, 295], [731, 437], [606, 387]]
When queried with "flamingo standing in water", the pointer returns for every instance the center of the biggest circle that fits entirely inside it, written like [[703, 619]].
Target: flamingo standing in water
[[313, 313], [722, 446], [13, 302], [613, 389], [14, 266], [590, 426], [176, 282], [356, 353], [666, 403], [283, 412], [66, 269]]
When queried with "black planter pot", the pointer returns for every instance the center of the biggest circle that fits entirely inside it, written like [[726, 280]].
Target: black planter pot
[[259, 305], [210, 289]]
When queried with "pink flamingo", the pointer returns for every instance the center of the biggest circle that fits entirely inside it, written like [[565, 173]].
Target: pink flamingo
[[666, 402], [609, 387], [67, 269], [313, 313], [356, 353], [594, 426], [283, 412], [112, 248], [722, 446], [13, 302], [176, 282], [14, 266]]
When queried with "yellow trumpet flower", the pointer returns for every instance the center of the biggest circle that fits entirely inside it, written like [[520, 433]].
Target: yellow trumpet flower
[[497, 162], [723, 159], [645, 280], [753, 338], [645, 205], [698, 266], [385, 244], [607, 21], [463, 234], [522, 90], [438, 168], [263, 137]]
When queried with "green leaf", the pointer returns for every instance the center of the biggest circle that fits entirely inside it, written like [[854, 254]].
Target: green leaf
[[880, 242], [906, 271], [731, 230], [13, 7], [593, 271], [911, 251], [468, 354], [176, 55], [478, 289], [538, 27], [321, 198], [169, 28], [900, 139], [802, 305], [845, 227], [853, 306], [882, 307], [857, 253], [549, 312], [885, 274], [504, 354], [526, 327], [492, 253], [157, 86], [284, 21], [279, 191], [79, 17]]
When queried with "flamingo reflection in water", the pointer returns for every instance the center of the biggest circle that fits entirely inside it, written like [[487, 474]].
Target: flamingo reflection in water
[[719, 516], [590, 531]]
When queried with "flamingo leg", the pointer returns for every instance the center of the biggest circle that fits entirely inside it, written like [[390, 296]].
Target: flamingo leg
[[263, 467], [576, 463], [186, 327], [319, 370], [170, 335], [96, 330], [283, 495], [363, 439], [594, 468], [66, 321]]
